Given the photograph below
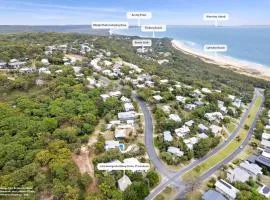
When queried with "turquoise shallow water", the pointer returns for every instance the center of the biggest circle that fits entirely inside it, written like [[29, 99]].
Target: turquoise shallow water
[[250, 44]]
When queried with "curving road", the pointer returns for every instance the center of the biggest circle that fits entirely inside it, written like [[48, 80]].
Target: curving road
[[173, 177]]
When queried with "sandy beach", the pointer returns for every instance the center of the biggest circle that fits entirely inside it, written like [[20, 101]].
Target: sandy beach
[[240, 66]]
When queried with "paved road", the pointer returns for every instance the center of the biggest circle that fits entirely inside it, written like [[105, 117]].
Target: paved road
[[172, 177]]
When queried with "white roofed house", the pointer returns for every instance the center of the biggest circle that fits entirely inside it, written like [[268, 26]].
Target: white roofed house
[[191, 141], [202, 128], [111, 144], [25, 70], [216, 130], [181, 132], [181, 99], [196, 93], [176, 151], [166, 109], [175, 117], [124, 182], [167, 136], [253, 169], [45, 61], [120, 133], [44, 70], [237, 174], [3, 64], [189, 123], [115, 94], [206, 91], [164, 81], [125, 99], [226, 189], [237, 103], [124, 116], [15, 64], [128, 107], [214, 117], [190, 106], [157, 97], [104, 96]]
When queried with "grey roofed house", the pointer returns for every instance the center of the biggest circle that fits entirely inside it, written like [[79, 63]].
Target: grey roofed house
[[3, 64], [251, 168], [262, 160], [203, 128], [212, 195], [124, 182], [226, 189]]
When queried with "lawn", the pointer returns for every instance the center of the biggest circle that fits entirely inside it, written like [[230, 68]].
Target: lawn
[[227, 150]]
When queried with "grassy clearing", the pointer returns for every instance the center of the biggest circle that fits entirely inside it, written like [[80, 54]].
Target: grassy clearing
[[227, 150]]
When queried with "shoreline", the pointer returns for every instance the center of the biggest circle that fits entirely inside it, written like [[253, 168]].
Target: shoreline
[[239, 66]]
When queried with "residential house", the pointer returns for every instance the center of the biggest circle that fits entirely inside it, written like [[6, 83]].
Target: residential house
[[202, 128], [181, 99], [105, 96], [226, 189], [111, 144], [237, 174], [216, 130], [174, 117], [189, 123], [212, 195], [167, 136], [130, 115], [253, 169], [202, 136], [125, 99], [190, 107], [115, 94], [44, 70], [3, 64], [45, 61], [124, 182], [214, 117], [181, 132], [128, 107], [157, 97], [166, 109], [175, 151], [206, 91]]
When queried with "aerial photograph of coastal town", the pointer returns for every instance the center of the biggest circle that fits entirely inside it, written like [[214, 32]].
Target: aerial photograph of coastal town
[[134, 100]]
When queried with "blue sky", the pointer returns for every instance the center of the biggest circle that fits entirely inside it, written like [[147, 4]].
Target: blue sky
[[180, 12]]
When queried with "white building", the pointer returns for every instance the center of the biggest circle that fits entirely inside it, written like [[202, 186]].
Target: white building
[[203, 128], [130, 115], [251, 168], [181, 99], [111, 144], [175, 117], [216, 130], [124, 182], [167, 136], [226, 189], [157, 97], [181, 132], [175, 151], [128, 107], [238, 174]]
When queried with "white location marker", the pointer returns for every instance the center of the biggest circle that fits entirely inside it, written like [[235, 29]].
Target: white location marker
[[216, 17], [142, 43], [215, 48], [110, 25], [153, 28], [139, 16]]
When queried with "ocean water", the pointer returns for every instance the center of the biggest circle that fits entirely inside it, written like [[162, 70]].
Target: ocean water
[[249, 44]]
